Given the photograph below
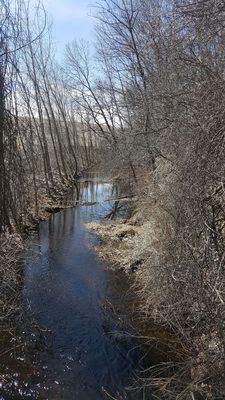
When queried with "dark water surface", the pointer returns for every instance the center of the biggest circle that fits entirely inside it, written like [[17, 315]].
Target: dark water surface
[[80, 303]]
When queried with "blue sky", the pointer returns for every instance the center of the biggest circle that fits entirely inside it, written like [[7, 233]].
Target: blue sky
[[71, 20]]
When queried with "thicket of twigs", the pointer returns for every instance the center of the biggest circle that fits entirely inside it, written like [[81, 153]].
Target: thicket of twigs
[[43, 141], [161, 100], [10, 280], [155, 113]]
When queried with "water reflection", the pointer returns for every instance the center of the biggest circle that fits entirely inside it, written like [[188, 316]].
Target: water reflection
[[67, 289]]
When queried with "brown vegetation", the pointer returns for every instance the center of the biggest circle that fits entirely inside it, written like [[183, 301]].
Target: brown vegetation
[[155, 117], [164, 76], [43, 141], [10, 281]]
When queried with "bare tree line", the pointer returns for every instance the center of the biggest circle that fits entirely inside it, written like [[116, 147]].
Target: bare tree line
[[43, 141], [158, 104], [157, 108]]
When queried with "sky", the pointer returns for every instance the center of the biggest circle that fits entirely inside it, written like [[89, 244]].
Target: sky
[[71, 20]]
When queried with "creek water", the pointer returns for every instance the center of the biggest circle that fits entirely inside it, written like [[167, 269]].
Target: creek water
[[80, 352]]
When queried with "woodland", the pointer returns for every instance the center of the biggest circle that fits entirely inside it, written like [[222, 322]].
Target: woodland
[[146, 107]]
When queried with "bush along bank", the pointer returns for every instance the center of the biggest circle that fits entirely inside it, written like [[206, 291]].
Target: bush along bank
[[175, 294]]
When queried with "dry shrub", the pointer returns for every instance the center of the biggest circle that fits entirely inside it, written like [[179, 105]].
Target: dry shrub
[[10, 277], [182, 280]]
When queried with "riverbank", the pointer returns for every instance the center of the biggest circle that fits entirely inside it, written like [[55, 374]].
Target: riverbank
[[11, 248], [12, 245], [60, 198], [117, 240], [80, 342], [133, 245], [187, 366]]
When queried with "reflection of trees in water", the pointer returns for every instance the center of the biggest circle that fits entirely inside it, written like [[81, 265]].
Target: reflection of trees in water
[[64, 222], [89, 191], [94, 191], [61, 224], [73, 194], [55, 280], [115, 190], [77, 191]]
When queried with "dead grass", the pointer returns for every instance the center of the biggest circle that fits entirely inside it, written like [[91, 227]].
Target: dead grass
[[117, 241]]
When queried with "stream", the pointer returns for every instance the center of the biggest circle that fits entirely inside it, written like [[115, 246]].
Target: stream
[[79, 307]]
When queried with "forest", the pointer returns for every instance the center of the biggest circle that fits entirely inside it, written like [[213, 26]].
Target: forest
[[145, 108]]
